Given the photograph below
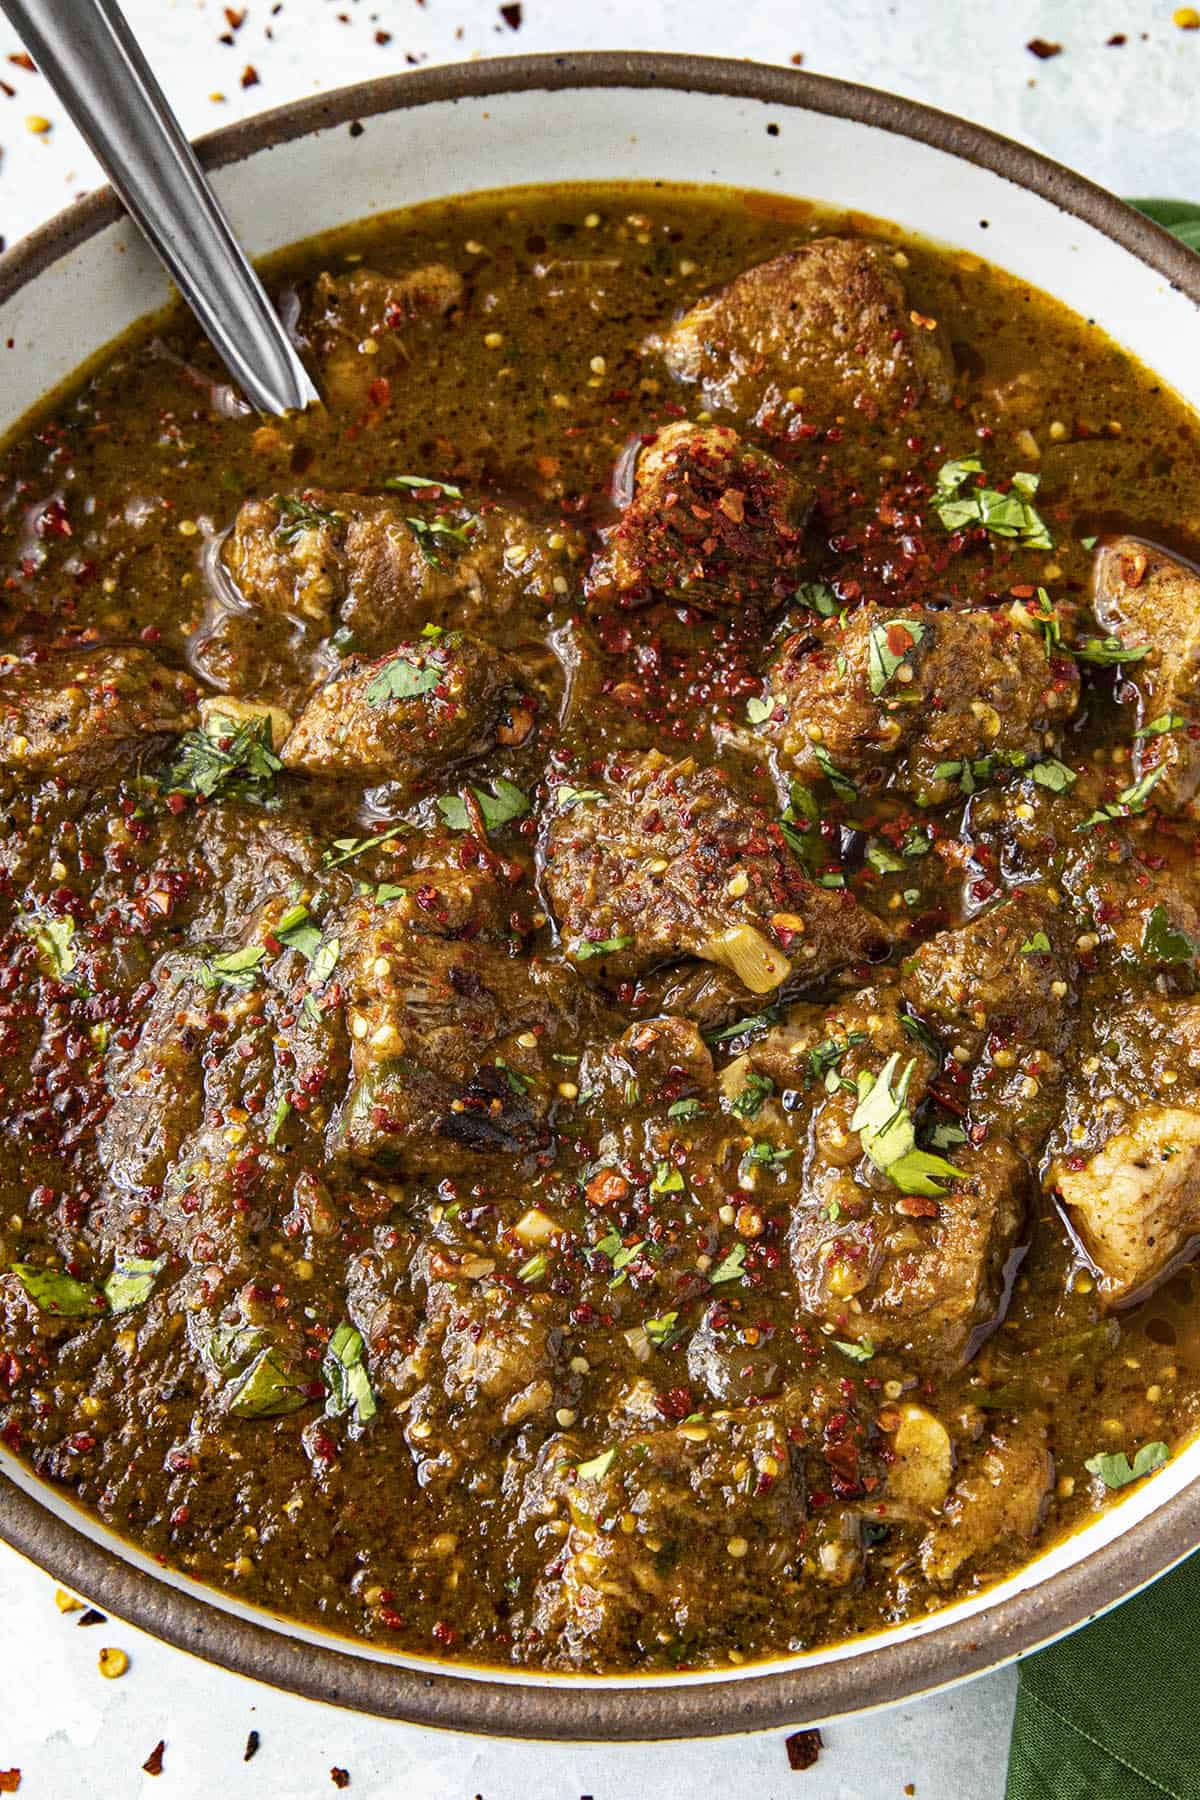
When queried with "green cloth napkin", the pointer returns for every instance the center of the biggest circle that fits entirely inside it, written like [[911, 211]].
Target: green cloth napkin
[[1111, 1712]]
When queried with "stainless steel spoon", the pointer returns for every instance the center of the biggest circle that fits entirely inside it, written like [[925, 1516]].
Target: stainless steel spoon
[[91, 59]]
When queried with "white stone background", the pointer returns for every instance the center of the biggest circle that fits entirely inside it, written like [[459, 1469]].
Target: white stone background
[[1126, 116]]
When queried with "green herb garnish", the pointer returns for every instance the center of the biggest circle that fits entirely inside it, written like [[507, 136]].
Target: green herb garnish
[[233, 968], [1166, 942], [402, 679], [889, 1140], [225, 761], [731, 1266], [55, 1292], [505, 803], [889, 645], [584, 950], [1116, 1470], [298, 516], [748, 1103], [1011, 515], [131, 1282], [344, 1371]]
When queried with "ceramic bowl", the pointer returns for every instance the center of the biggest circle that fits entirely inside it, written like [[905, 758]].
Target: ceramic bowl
[[321, 163]]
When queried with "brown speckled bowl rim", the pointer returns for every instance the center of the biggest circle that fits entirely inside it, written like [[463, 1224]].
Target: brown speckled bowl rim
[[647, 1708]]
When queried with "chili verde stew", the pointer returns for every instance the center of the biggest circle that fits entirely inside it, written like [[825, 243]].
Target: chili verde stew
[[601, 1055]]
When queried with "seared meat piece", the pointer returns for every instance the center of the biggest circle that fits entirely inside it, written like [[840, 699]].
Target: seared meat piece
[[1007, 976], [887, 1241], [392, 314], [916, 699], [712, 521], [1135, 1204], [218, 1045], [379, 567], [439, 1072], [665, 1057], [439, 1318], [997, 1502], [738, 1481], [84, 714], [713, 997], [1136, 890], [722, 1365], [1143, 596], [931, 1275], [673, 864], [1002, 992], [157, 1088], [411, 715], [812, 335]]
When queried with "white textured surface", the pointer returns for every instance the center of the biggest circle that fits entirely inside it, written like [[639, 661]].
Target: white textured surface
[[1122, 115]]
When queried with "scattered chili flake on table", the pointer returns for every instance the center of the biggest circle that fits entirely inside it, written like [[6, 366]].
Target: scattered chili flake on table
[[153, 1764], [10, 1780], [1187, 18], [1043, 48], [113, 1663], [803, 1748], [252, 1742], [249, 76], [92, 1617], [340, 1777], [512, 15]]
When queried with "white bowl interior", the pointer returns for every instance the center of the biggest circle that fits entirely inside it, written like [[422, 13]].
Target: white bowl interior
[[332, 177]]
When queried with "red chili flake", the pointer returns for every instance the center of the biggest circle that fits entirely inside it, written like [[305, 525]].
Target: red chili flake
[[252, 1742], [1114, 43], [153, 1763], [512, 15], [340, 1777], [235, 17], [1043, 49], [380, 391], [249, 76], [22, 60], [803, 1749], [914, 1207], [383, 37]]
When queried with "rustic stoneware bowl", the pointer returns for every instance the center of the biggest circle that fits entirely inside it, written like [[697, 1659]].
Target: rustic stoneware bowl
[[82, 279]]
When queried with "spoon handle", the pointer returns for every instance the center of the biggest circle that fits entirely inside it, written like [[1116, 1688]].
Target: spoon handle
[[91, 59]]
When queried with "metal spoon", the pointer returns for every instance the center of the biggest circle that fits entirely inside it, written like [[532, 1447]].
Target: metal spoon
[[88, 54]]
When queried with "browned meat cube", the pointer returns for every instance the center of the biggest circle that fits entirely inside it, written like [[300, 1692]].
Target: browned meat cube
[[929, 702], [1135, 1204], [85, 714], [221, 1042], [1008, 976], [737, 1480], [366, 325], [413, 714], [439, 1073], [1137, 893], [1143, 596], [813, 335], [998, 1502], [666, 1057], [157, 1088], [930, 1275], [377, 567], [712, 521], [673, 864]]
